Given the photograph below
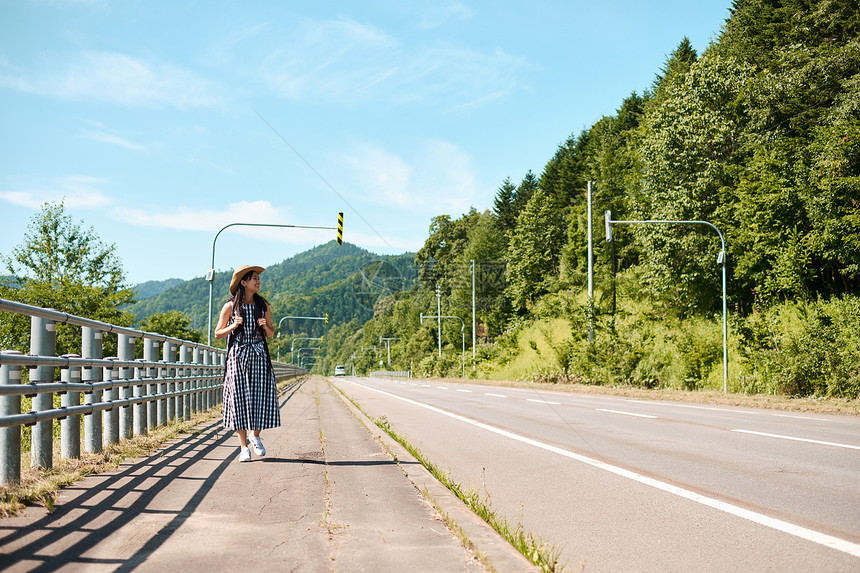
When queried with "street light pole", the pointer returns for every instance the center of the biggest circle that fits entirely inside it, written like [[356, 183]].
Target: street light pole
[[590, 301], [293, 345], [300, 317], [721, 259], [210, 274], [462, 336]]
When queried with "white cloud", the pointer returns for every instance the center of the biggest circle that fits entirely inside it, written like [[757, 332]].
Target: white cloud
[[111, 139], [385, 176], [346, 62], [329, 60], [439, 177], [212, 221], [116, 78], [75, 191], [438, 12]]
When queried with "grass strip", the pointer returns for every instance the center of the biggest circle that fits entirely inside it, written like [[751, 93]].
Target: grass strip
[[546, 557], [459, 533]]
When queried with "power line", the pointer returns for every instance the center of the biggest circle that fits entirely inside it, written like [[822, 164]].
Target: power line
[[323, 179]]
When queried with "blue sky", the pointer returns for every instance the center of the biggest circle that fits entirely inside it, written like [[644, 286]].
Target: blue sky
[[151, 120]]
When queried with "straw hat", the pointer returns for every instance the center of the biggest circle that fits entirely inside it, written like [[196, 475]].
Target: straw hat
[[241, 272]]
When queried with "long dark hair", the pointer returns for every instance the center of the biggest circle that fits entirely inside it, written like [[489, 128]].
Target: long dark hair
[[260, 304]]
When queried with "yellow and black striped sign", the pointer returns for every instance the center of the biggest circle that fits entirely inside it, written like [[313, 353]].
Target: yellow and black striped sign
[[340, 228]]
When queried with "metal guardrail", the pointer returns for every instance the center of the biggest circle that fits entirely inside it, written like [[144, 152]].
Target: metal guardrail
[[122, 396], [390, 374]]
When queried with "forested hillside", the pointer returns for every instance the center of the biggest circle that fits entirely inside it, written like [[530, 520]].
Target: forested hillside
[[758, 135], [341, 281]]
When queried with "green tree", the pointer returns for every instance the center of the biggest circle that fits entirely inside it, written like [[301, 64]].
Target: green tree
[[690, 149], [674, 69], [446, 259], [535, 248], [503, 205], [63, 266], [797, 204], [171, 323], [524, 193]]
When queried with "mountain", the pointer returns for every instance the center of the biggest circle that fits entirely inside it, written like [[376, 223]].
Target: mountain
[[150, 289], [343, 281]]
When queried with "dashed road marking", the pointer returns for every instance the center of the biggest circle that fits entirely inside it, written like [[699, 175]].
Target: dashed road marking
[[796, 439], [626, 413], [755, 517]]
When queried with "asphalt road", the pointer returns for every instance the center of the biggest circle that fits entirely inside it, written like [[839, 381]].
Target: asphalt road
[[631, 485]]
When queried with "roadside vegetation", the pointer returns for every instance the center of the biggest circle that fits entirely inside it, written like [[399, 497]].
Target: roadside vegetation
[[758, 135]]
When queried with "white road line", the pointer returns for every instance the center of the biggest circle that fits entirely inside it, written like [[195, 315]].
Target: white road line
[[442, 387], [835, 444], [713, 408], [542, 402], [831, 420], [795, 417], [425, 385], [626, 413], [494, 395], [462, 390], [737, 511]]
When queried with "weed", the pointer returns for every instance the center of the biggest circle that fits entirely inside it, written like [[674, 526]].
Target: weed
[[537, 551], [533, 548]]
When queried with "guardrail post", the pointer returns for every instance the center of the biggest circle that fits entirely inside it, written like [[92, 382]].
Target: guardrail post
[[43, 342], [111, 416], [150, 352], [70, 426], [210, 394], [222, 362], [207, 372], [10, 438], [168, 355], [140, 390], [198, 372], [91, 347], [161, 403], [183, 403], [213, 394], [125, 351]]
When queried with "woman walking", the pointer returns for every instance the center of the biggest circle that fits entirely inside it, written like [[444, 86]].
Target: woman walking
[[250, 396]]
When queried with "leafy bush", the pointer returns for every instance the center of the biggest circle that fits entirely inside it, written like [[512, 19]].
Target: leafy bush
[[804, 348]]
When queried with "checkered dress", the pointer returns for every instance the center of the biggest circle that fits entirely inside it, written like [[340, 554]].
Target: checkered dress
[[250, 396]]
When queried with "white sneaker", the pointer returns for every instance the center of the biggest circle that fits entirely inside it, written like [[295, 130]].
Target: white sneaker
[[245, 455], [257, 444]]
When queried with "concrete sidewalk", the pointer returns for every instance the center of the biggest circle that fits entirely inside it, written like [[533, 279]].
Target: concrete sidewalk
[[327, 497]]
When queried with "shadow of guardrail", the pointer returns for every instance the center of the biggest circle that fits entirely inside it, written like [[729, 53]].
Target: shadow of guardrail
[[99, 506]]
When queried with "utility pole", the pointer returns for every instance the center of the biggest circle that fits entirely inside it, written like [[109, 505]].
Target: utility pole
[[388, 346], [590, 301], [439, 316], [462, 336], [473, 309]]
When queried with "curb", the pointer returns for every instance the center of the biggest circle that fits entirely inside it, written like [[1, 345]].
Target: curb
[[497, 552]]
